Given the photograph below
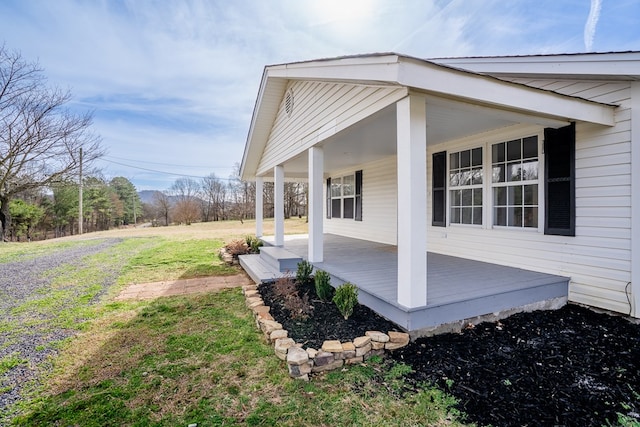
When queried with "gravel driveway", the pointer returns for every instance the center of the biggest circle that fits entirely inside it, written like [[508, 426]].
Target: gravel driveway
[[28, 337]]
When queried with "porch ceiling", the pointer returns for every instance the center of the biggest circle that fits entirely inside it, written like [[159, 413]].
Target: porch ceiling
[[375, 137]]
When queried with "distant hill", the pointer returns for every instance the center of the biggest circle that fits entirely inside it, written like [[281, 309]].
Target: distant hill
[[146, 196]]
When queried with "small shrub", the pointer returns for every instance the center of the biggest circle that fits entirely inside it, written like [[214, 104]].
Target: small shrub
[[284, 286], [237, 247], [253, 243], [303, 273], [346, 298], [324, 290], [298, 306]]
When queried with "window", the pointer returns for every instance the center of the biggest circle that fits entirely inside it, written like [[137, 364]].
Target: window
[[515, 182], [344, 197], [465, 184]]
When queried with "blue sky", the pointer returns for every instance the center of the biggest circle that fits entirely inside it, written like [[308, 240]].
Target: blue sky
[[173, 83]]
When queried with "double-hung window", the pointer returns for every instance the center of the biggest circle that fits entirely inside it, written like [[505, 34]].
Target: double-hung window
[[465, 187], [344, 197], [515, 183]]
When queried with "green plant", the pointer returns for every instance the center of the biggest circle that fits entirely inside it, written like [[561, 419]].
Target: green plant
[[253, 243], [346, 298], [324, 290], [303, 273]]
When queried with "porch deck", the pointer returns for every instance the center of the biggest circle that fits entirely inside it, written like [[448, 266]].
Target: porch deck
[[458, 289]]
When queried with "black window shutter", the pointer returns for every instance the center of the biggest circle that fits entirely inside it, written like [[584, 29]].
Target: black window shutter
[[439, 192], [358, 212], [559, 181], [328, 198]]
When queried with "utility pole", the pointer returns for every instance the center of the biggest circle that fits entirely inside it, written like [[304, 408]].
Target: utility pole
[[133, 200], [80, 197]]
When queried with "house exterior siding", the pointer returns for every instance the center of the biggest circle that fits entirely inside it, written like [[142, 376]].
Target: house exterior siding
[[379, 204], [598, 258], [318, 111]]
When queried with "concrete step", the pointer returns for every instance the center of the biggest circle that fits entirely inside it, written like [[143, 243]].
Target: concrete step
[[280, 259], [259, 270]]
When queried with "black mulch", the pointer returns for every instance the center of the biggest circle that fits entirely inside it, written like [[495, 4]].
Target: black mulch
[[326, 322], [571, 367]]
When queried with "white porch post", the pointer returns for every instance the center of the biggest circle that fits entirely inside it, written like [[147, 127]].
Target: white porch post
[[412, 201], [635, 198], [316, 175], [278, 205], [259, 206]]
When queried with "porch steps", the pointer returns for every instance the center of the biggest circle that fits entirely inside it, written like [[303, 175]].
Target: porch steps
[[272, 262], [280, 258]]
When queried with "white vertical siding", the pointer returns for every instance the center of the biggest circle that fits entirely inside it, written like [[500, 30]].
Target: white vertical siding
[[320, 110], [598, 258], [379, 204]]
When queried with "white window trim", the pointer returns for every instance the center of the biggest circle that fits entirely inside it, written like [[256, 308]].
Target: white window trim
[[342, 196], [451, 188], [487, 187]]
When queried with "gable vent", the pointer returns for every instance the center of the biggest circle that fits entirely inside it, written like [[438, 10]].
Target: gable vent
[[288, 102]]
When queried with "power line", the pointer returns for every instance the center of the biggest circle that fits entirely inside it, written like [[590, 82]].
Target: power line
[[161, 164], [164, 172]]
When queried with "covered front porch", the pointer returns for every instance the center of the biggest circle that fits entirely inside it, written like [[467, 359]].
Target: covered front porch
[[460, 290]]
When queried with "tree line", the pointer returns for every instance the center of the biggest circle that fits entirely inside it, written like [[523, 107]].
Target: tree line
[[212, 198], [44, 145]]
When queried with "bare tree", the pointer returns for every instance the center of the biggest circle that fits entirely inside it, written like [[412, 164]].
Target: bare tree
[[214, 194], [162, 204], [187, 192], [40, 139]]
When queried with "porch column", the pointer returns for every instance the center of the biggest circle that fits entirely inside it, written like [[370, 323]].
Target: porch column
[[412, 201], [316, 175], [278, 204], [259, 206]]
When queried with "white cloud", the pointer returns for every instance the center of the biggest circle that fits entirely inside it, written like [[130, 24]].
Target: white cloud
[[590, 25]]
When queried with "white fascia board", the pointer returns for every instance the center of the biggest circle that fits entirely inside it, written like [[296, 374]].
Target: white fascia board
[[383, 73], [622, 65], [261, 122], [490, 91]]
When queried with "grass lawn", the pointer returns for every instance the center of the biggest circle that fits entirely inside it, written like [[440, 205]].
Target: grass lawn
[[195, 359]]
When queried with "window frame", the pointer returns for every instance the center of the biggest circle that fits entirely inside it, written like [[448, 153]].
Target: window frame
[[450, 188], [507, 184], [355, 196]]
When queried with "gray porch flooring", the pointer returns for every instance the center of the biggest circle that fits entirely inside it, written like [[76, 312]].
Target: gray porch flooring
[[457, 288]]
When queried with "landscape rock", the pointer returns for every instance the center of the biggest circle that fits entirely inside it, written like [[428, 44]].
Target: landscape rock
[[297, 356], [361, 351], [332, 346], [323, 358], [399, 337], [361, 341], [278, 333], [375, 345], [377, 336], [269, 326], [282, 347]]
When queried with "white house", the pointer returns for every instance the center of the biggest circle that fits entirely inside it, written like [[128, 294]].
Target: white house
[[457, 187]]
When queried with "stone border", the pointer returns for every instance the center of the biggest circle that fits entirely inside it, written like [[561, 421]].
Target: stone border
[[333, 354]]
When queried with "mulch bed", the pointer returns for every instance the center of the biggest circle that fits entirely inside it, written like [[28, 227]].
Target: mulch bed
[[326, 322], [571, 367]]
